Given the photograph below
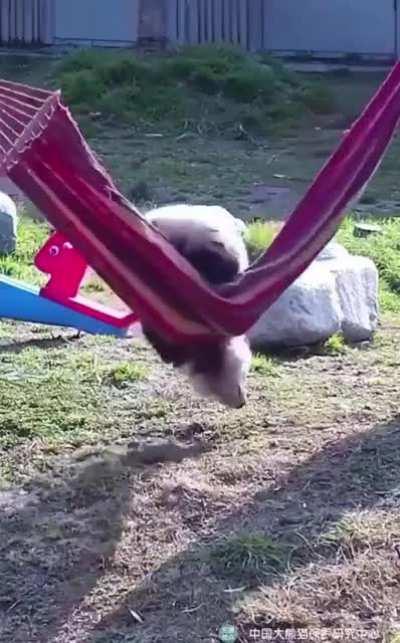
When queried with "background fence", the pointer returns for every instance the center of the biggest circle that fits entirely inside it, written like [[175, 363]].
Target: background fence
[[209, 21], [312, 26], [315, 27], [26, 22]]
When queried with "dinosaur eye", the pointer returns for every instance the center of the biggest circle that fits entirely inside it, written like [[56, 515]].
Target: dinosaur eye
[[54, 251]]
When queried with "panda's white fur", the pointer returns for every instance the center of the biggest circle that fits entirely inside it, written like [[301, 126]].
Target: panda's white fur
[[202, 226], [227, 385], [212, 240]]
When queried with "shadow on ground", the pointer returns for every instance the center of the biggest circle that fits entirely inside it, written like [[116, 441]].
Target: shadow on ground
[[59, 538]]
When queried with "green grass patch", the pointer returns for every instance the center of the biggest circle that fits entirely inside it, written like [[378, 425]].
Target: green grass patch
[[259, 236], [317, 98], [47, 410], [263, 365], [251, 554], [61, 395], [389, 301], [384, 250], [127, 372], [217, 86], [19, 265], [335, 345]]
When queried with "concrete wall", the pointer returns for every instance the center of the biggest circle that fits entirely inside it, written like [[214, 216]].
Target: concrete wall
[[98, 22], [339, 26], [209, 21], [314, 26], [367, 27], [26, 22], [153, 19]]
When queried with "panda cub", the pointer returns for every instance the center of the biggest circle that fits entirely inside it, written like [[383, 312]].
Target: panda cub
[[211, 239]]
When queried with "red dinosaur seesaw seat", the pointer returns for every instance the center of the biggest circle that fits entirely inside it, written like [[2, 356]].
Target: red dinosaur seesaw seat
[[43, 152]]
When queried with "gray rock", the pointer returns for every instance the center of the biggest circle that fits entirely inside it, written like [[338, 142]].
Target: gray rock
[[8, 224], [308, 312], [357, 286], [337, 293]]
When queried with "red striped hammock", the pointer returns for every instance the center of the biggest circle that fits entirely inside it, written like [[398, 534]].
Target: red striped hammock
[[43, 152]]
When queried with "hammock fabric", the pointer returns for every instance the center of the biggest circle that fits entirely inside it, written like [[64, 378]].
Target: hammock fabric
[[43, 152]]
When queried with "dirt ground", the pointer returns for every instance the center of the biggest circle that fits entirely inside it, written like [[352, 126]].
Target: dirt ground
[[254, 177], [133, 512], [250, 176], [152, 516]]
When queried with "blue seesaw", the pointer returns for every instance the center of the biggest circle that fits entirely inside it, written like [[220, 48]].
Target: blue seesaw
[[58, 302]]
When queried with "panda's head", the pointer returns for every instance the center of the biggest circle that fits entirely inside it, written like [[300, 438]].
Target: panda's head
[[221, 372]]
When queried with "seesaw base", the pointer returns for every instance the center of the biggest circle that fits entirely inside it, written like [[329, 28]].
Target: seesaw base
[[21, 302]]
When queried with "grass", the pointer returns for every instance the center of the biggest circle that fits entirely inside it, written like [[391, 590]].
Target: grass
[[362, 531], [335, 345], [259, 236], [60, 395], [55, 396], [318, 98], [382, 248], [263, 365], [19, 265], [127, 372], [212, 87], [248, 554], [115, 536], [77, 416], [52, 411]]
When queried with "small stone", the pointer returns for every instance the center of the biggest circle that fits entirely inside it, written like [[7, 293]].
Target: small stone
[[8, 224], [366, 229]]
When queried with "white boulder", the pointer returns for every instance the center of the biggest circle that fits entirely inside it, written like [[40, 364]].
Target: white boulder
[[337, 293], [8, 224]]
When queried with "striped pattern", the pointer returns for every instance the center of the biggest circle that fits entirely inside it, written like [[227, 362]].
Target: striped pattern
[[44, 153], [344, 26], [26, 22], [213, 21]]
